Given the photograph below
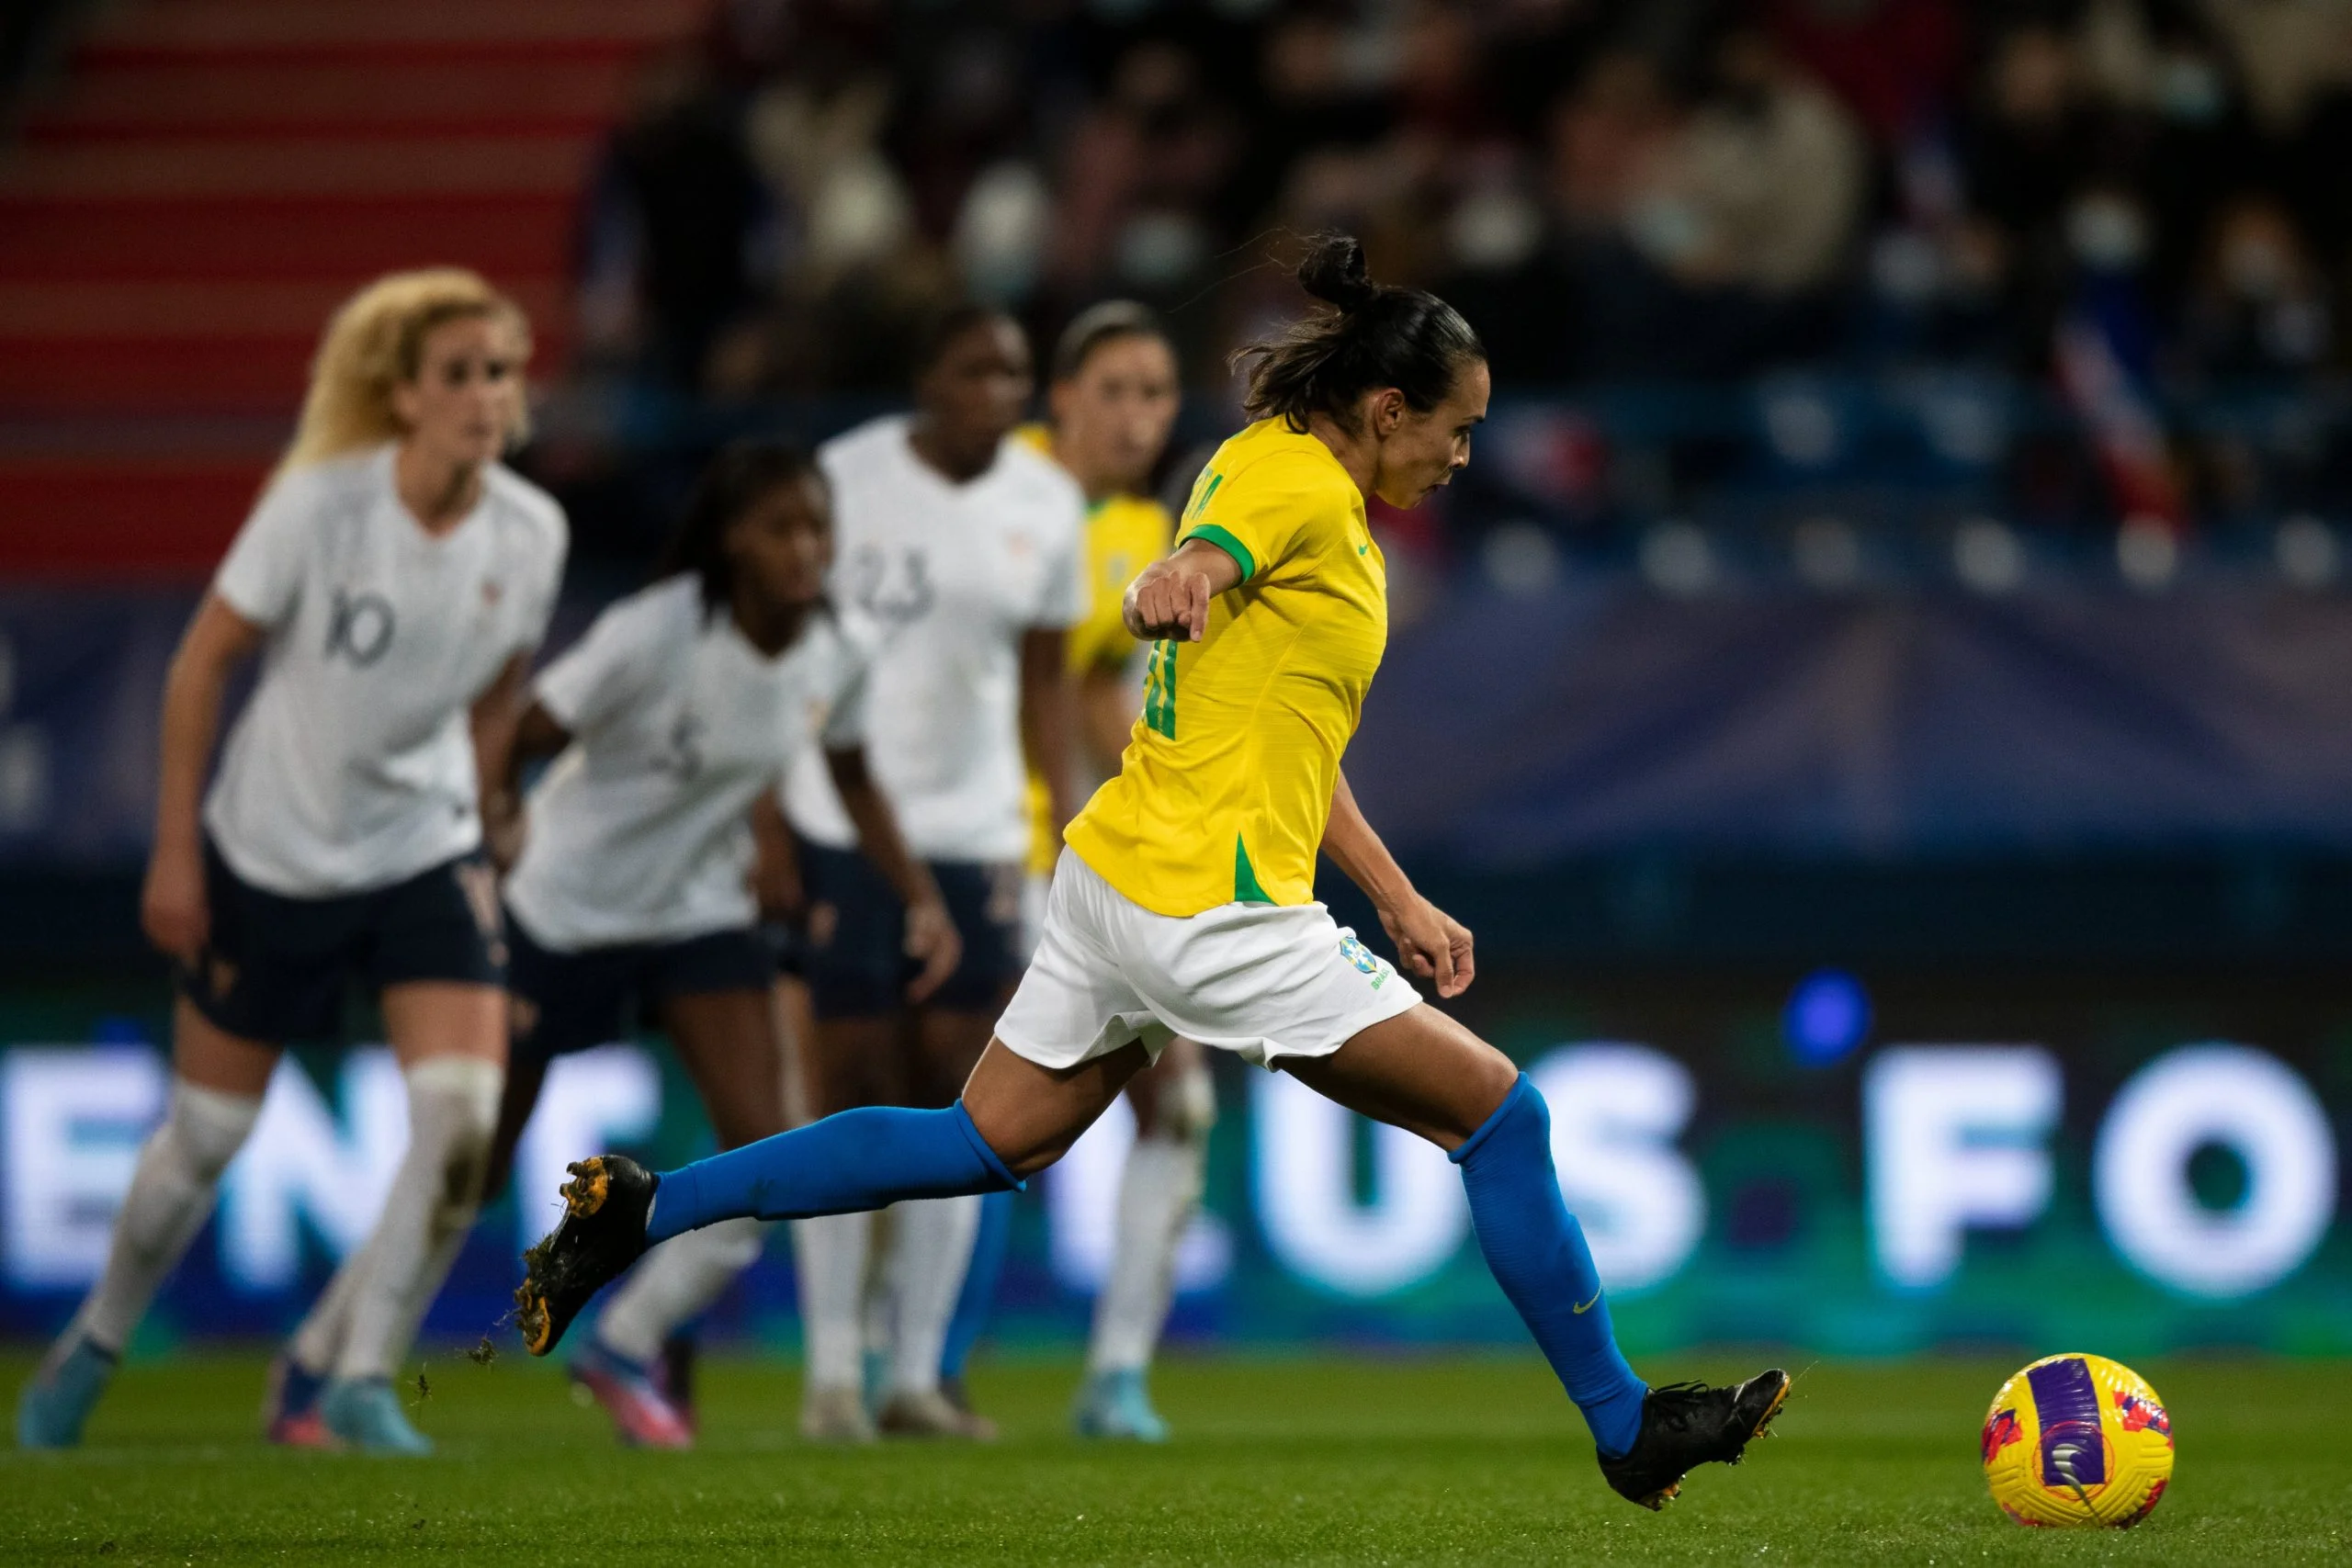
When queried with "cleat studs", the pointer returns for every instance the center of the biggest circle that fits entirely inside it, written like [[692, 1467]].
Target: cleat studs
[[531, 1320], [586, 1193]]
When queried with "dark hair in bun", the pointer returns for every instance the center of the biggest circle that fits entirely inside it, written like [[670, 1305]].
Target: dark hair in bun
[[1332, 270], [1372, 336]]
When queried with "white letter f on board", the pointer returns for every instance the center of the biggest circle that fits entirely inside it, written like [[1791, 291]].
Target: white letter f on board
[[1955, 1137]]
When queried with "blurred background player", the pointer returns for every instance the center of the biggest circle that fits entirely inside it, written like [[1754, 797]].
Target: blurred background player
[[964, 546], [1113, 400], [395, 578], [678, 712]]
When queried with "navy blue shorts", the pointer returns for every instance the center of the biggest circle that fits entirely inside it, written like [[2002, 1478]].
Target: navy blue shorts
[[276, 969], [854, 950], [788, 948], [571, 1001]]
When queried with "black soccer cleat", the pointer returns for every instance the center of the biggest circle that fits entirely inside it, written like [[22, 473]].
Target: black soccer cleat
[[602, 1232], [1688, 1424]]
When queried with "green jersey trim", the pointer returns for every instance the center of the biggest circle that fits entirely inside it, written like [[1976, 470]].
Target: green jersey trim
[[1245, 876], [1159, 689], [1210, 532]]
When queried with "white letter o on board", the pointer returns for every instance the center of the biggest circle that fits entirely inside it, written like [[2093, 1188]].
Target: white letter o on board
[[2249, 1102]]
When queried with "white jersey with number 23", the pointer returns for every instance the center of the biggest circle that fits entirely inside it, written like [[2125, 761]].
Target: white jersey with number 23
[[951, 576]]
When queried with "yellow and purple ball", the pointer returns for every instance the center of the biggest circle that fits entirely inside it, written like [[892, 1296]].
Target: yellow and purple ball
[[2078, 1439]]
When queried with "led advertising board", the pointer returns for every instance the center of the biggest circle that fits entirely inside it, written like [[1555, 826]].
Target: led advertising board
[[1773, 1162]]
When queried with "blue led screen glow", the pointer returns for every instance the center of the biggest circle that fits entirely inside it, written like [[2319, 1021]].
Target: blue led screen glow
[[1828, 1018]]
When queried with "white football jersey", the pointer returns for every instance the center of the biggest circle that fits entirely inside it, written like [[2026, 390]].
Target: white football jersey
[[640, 831], [951, 576], [353, 766]]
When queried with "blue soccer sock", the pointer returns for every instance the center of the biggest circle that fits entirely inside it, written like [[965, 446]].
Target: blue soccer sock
[[1537, 1252], [979, 1285], [862, 1159]]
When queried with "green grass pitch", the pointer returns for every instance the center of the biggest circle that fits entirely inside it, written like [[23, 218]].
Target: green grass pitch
[[1277, 1462]]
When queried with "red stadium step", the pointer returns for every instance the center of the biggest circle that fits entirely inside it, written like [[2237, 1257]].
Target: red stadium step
[[247, 28], [186, 310], [136, 377], [215, 177], [64, 239], [194, 99], [86, 348], [132, 377], [168, 170], [173, 515]]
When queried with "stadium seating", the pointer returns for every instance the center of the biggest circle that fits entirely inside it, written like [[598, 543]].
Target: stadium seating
[[212, 175]]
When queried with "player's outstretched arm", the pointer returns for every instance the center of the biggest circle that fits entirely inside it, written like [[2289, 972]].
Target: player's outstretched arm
[[1433, 943], [931, 930], [1171, 598]]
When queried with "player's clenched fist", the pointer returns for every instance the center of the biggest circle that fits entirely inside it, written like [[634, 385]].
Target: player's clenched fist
[[1171, 599]]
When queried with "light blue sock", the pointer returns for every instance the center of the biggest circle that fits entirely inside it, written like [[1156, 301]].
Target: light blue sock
[[1537, 1252], [978, 1295], [868, 1159]]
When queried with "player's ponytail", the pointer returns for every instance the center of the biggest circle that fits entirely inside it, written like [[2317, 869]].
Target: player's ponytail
[[1372, 336], [1332, 270], [375, 342]]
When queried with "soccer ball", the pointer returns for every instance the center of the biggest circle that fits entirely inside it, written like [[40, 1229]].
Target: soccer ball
[[2078, 1440]]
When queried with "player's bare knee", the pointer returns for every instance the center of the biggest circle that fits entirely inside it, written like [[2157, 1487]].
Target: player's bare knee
[[1023, 1145], [1488, 1079]]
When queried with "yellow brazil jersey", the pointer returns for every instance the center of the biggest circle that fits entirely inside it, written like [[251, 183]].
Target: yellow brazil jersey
[[1124, 534], [1225, 786]]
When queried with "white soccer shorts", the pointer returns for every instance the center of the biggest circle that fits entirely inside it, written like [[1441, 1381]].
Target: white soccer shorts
[[1260, 980]]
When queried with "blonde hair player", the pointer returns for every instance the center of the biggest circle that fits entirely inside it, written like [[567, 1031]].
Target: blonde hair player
[[1113, 400], [395, 578], [1184, 903]]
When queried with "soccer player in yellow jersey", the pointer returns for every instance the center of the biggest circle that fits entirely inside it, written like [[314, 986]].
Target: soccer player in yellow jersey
[[1185, 903], [1114, 398]]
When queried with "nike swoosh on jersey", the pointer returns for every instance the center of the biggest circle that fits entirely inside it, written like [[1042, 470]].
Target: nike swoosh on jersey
[[1588, 1306]]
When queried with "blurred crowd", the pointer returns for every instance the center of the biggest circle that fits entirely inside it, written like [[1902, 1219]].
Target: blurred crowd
[[1609, 188]]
